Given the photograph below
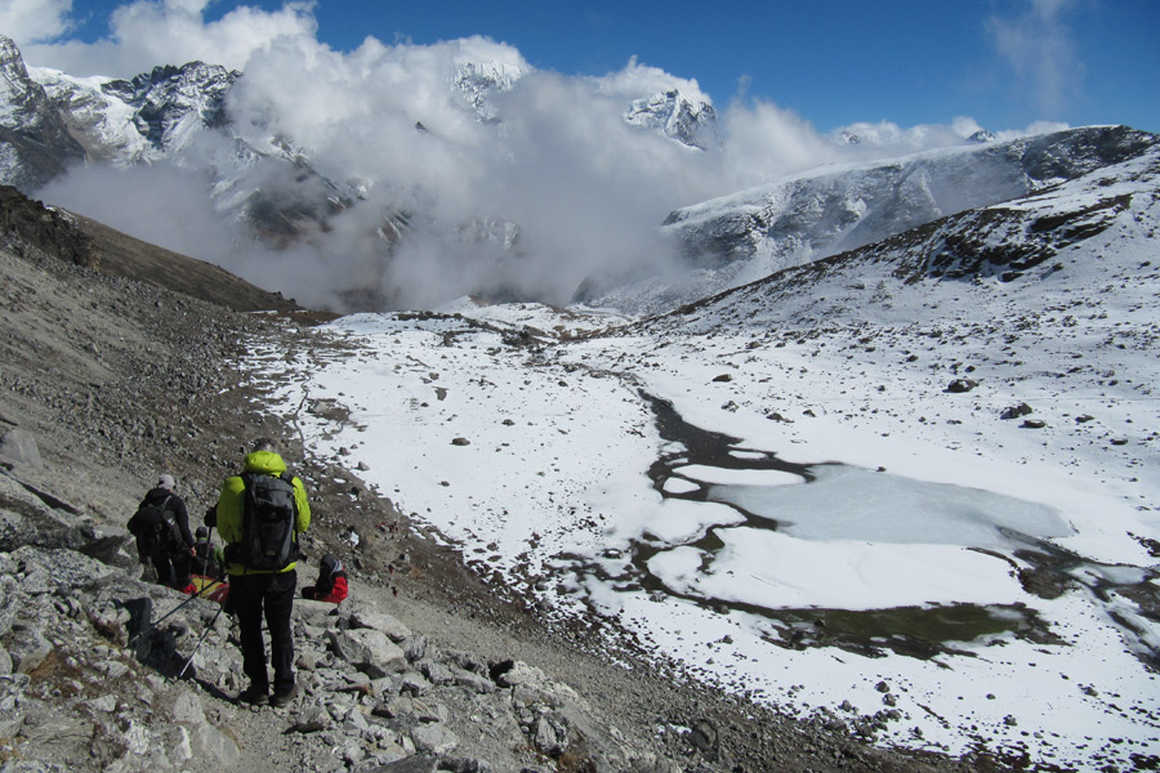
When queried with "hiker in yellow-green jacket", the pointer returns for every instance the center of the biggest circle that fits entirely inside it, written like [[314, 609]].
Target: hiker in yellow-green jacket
[[260, 514]]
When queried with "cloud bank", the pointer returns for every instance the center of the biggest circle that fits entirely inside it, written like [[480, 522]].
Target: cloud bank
[[525, 188], [1038, 47], [145, 33], [31, 21]]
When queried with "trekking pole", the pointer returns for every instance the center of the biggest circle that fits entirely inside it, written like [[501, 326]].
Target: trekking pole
[[168, 614], [197, 646]]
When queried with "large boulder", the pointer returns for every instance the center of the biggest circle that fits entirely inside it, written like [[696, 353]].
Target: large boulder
[[19, 447], [209, 744], [320, 614], [25, 519], [27, 647], [379, 621], [368, 650]]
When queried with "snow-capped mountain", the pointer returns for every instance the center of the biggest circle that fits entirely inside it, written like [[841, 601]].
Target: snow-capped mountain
[[690, 122], [478, 82], [262, 176], [164, 116], [148, 118], [747, 235], [35, 144]]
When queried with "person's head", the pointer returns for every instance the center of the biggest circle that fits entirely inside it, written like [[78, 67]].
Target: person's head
[[166, 482], [265, 444], [329, 566], [202, 532]]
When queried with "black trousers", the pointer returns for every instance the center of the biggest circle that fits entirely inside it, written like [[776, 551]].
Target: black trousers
[[249, 595], [172, 568]]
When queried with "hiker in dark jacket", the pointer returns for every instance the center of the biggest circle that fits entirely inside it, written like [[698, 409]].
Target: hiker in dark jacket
[[161, 526], [331, 583], [254, 588]]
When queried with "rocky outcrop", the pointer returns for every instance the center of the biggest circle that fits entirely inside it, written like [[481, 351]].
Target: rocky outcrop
[[35, 144], [23, 220]]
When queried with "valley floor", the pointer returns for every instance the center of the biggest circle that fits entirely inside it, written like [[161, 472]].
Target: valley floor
[[923, 512]]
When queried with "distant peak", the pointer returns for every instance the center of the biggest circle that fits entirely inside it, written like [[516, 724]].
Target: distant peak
[[692, 122]]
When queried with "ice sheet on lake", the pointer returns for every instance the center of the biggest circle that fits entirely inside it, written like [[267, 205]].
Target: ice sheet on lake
[[776, 571], [677, 520], [853, 503], [728, 476]]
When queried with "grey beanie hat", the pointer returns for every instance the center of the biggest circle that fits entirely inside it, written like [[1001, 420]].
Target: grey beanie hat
[[166, 481]]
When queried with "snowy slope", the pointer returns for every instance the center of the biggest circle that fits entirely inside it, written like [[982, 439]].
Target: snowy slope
[[744, 236], [803, 490]]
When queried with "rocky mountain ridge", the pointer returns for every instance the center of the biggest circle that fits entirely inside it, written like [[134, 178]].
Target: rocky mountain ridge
[[157, 116]]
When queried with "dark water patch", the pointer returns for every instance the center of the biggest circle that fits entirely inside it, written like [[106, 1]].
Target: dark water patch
[[916, 631]]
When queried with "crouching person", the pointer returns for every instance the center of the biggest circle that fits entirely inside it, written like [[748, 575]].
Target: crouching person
[[260, 514], [331, 583]]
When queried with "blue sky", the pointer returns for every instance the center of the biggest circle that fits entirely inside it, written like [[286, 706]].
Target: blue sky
[[1006, 63]]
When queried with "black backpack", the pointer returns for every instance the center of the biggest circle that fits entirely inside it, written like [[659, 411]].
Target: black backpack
[[162, 530], [268, 537]]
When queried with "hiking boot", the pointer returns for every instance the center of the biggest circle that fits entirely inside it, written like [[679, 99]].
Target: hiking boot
[[283, 696], [254, 695]]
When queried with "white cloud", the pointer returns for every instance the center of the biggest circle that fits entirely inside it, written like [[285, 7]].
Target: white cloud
[[765, 142], [145, 33], [636, 79], [32, 21], [1037, 45], [964, 126], [586, 189]]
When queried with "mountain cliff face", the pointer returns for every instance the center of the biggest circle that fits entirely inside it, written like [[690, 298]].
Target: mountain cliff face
[[35, 144]]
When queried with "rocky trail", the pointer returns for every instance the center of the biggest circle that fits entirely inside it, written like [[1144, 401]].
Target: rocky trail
[[107, 381]]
